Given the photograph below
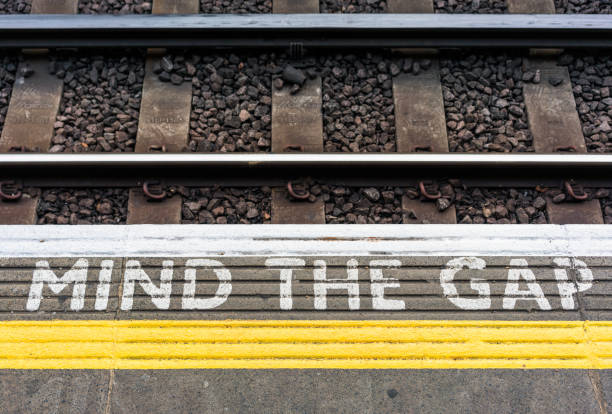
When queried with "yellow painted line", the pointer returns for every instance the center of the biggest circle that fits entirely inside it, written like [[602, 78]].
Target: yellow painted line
[[133, 344]]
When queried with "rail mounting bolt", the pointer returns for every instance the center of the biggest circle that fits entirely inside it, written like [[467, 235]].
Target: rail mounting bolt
[[566, 148], [157, 148], [299, 195], [10, 191], [153, 190], [425, 193], [576, 193], [293, 148]]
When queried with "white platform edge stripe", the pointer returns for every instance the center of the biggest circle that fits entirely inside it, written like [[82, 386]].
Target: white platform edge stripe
[[304, 240]]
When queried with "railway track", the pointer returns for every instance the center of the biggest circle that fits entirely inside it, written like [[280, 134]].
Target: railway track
[[421, 106], [297, 120]]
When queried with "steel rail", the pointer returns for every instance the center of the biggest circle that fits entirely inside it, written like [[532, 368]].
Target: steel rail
[[124, 169], [308, 30], [255, 160]]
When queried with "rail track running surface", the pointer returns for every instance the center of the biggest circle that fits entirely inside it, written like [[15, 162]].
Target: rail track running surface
[[330, 206]]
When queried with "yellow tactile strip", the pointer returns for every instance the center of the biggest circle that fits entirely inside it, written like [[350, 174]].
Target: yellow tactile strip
[[132, 344]]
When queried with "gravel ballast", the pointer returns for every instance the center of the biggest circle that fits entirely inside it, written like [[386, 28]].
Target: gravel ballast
[[592, 86], [500, 206], [115, 7], [218, 205], [360, 205], [83, 206], [470, 6], [235, 6], [231, 104], [358, 109], [8, 68], [500, 6], [606, 205], [15, 6], [583, 6], [483, 100], [100, 103], [352, 6]]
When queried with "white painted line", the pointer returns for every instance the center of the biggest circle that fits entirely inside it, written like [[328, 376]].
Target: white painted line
[[305, 240]]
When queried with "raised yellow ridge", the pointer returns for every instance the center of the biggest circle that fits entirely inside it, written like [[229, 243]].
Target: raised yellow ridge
[[157, 344]]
